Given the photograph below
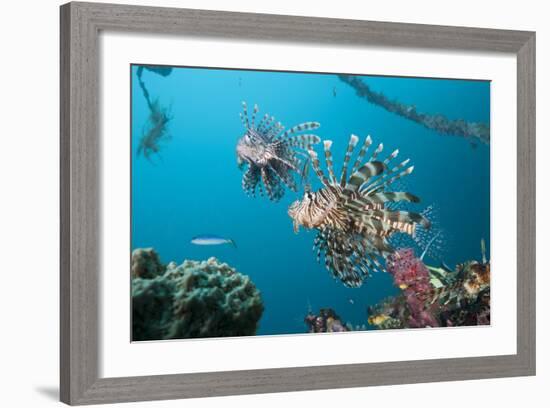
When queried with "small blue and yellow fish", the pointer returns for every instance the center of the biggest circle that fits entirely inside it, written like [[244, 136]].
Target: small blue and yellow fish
[[212, 240]]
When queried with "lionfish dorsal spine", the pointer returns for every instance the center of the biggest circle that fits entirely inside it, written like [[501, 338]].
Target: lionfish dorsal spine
[[317, 168], [268, 123], [392, 156], [361, 155], [389, 177], [245, 116], [349, 151], [363, 175], [274, 131], [377, 152], [328, 158], [254, 112], [262, 123]]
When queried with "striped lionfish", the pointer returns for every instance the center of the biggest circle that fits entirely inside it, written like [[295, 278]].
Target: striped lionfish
[[352, 215], [270, 154]]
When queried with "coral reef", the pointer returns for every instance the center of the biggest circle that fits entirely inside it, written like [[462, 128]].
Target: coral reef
[[327, 321], [434, 297], [439, 123], [193, 300]]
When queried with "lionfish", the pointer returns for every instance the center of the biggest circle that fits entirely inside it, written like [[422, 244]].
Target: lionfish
[[471, 279], [354, 215], [272, 154]]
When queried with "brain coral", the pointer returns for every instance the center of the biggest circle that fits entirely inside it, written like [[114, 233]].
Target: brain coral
[[192, 300]]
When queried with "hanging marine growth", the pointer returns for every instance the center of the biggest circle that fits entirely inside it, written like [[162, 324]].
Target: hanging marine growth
[[350, 214], [474, 130], [155, 129], [271, 155]]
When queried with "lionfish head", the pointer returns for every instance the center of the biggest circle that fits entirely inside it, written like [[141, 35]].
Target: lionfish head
[[301, 211], [241, 151], [252, 151]]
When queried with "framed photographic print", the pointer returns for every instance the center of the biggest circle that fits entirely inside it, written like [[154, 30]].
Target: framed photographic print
[[233, 183]]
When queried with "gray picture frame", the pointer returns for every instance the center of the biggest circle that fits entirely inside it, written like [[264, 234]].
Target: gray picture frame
[[81, 24]]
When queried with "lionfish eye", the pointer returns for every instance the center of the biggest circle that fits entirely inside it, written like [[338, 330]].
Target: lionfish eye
[[309, 195]]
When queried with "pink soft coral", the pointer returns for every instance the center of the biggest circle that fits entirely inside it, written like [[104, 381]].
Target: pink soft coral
[[411, 275]]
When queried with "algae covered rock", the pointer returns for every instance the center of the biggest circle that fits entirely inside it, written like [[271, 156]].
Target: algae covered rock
[[152, 301], [146, 263], [193, 300]]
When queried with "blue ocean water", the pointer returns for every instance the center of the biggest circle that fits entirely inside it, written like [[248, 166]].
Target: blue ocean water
[[192, 186]]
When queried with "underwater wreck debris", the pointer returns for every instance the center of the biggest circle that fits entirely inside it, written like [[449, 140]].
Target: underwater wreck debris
[[270, 154], [193, 300], [439, 123], [451, 298], [156, 130], [351, 214], [327, 321]]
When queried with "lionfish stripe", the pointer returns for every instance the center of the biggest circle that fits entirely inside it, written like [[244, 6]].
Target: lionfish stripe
[[387, 179], [362, 153], [328, 158], [254, 112], [379, 266], [275, 130], [382, 246], [403, 217], [389, 196], [392, 156], [317, 169], [376, 152], [272, 128], [303, 141], [245, 115], [351, 145], [364, 173], [268, 124], [301, 127], [262, 123], [250, 180], [283, 171]]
